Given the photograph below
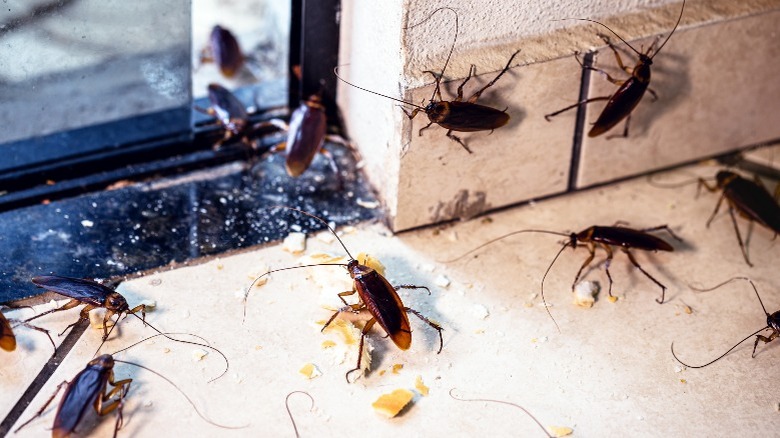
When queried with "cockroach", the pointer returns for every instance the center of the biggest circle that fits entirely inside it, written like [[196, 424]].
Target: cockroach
[[772, 323], [375, 294], [456, 115], [7, 337], [751, 200], [487, 400], [224, 51], [94, 295], [630, 91], [90, 388], [605, 237], [231, 114], [306, 134]]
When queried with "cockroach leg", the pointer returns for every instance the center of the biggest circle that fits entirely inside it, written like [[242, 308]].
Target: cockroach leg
[[434, 325], [580, 103], [739, 237], [456, 138], [636, 264], [411, 286], [40, 329], [625, 129], [592, 253], [619, 61], [479, 92], [664, 228], [45, 405], [437, 80], [363, 334], [766, 340], [472, 72]]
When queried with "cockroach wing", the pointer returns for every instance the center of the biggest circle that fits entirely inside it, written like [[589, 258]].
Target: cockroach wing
[[307, 131], [385, 305], [83, 290]]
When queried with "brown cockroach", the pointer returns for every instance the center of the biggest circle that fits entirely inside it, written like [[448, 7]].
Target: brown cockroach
[[630, 92], [607, 238], [455, 115], [89, 388], [751, 200], [376, 295], [224, 51], [95, 295], [772, 323]]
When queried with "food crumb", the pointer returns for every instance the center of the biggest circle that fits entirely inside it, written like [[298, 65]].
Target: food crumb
[[294, 242], [166, 350], [559, 431], [97, 318], [442, 281], [397, 368], [328, 344], [683, 381], [391, 404], [481, 311], [199, 354], [149, 305], [420, 386], [612, 299], [310, 371], [584, 293]]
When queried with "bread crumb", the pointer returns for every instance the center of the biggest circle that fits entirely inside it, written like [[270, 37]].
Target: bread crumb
[[397, 368], [328, 344], [585, 292], [310, 371], [420, 386], [612, 299], [199, 354], [391, 404], [295, 243], [559, 431]]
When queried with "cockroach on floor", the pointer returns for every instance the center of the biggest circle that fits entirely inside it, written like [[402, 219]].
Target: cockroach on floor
[[7, 337], [376, 295], [455, 115], [750, 199], [94, 295], [224, 51], [630, 92], [605, 237], [772, 323], [90, 388]]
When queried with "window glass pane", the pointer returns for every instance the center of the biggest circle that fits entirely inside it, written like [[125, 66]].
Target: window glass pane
[[71, 64]]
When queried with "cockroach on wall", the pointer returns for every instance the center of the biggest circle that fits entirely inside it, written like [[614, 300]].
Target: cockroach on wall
[[89, 388], [7, 337], [749, 199], [607, 238], [630, 92], [223, 49], [456, 115], [376, 295], [772, 323]]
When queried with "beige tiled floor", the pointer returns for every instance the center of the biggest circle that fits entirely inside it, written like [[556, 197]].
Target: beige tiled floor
[[608, 372]]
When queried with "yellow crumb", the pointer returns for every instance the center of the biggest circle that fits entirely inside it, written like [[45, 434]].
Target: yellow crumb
[[688, 310], [558, 431], [371, 262], [397, 368], [391, 404], [328, 344], [310, 371], [420, 386], [612, 299], [382, 372], [258, 347], [683, 381], [348, 331], [220, 267]]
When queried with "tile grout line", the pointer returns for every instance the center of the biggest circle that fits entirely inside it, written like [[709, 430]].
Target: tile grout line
[[579, 123], [43, 376]]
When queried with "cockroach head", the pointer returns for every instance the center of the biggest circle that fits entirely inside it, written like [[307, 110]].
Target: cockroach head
[[724, 176], [104, 360], [115, 302]]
